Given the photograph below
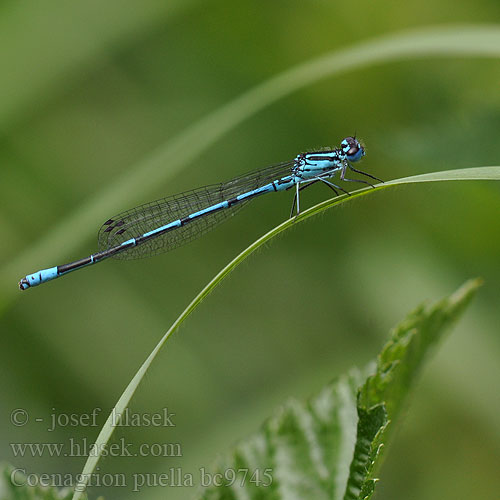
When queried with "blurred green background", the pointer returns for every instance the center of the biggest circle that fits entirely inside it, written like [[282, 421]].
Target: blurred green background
[[90, 90]]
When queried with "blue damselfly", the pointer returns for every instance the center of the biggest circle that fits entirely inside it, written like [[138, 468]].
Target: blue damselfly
[[168, 223]]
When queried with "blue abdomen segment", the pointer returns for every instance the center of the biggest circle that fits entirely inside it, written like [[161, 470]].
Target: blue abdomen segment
[[38, 277], [255, 192], [158, 230], [54, 272], [284, 183]]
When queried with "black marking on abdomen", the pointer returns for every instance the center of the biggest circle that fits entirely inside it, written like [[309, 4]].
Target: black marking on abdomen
[[323, 158], [73, 265]]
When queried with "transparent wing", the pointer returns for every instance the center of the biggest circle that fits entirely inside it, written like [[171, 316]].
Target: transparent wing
[[144, 218]]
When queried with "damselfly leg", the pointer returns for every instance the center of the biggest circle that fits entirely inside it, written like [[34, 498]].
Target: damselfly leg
[[329, 184], [348, 165], [296, 196]]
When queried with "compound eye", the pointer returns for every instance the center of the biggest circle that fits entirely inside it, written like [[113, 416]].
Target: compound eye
[[353, 151]]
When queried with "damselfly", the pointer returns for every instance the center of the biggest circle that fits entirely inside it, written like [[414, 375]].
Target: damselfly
[[168, 223]]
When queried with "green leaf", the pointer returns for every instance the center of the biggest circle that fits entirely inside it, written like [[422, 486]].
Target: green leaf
[[307, 446], [330, 447], [386, 390], [14, 486]]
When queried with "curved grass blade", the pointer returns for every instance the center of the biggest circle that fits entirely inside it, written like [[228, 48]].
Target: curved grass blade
[[143, 177], [478, 173], [35, 65]]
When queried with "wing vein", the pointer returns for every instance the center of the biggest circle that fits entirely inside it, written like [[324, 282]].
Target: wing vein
[[149, 216]]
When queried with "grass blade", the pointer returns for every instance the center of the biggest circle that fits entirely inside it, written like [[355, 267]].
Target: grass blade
[[478, 173]]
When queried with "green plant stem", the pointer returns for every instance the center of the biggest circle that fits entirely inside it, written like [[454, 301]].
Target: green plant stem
[[478, 173]]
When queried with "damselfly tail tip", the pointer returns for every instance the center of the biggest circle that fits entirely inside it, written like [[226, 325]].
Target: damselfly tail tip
[[24, 284]]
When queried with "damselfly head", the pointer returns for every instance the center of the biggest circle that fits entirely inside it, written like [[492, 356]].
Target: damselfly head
[[352, 149]]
